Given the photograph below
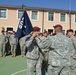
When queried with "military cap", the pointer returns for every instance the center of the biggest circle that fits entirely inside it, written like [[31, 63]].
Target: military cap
[[58, 25], [36, 28], [70, 30]]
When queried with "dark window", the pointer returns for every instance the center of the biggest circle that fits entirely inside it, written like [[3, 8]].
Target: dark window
[[50, 16], [9, 29], [50, 31], [62, 17], [20, 13], [75, 32], [75, 18], [2, 13], [34, 15]]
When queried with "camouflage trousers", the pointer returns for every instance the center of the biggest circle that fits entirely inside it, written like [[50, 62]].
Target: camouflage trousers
[[55, 70], [34, 65], [73, 66], [2, 49], [23, 49], [13, 49]]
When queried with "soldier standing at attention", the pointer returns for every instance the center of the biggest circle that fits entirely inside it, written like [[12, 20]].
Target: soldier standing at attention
[[33, 55], [61, 50], [70, 34], [22, 43], [3, 41], [13, 43], [7, 44]]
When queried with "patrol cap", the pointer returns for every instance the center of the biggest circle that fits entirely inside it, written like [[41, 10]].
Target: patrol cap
[[58, 25], [36, 28], [70, 30]]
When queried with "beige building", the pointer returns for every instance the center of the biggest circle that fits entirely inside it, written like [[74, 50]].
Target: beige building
[[45, 18]]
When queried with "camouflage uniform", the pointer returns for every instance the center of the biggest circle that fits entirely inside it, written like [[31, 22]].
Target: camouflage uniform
[[61, 50], [13, 43], [22, 42], [33, 57], [3, 42], [46, 52], [8, 47], [73, 38]]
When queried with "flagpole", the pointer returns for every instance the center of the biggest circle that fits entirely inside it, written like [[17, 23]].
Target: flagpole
[[23, 6], [69, 14]]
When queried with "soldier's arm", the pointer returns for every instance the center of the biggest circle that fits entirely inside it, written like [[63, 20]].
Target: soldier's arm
[[27, 37], [29, 41], [16, 41], [74, 42], [6, 40], [44, 44]]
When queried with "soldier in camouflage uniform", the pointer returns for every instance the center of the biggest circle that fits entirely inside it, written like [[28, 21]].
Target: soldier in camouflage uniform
[[3, 41], [7, 44], [22, 42], [70, 34], [13, 43], [46, 52], [33, 55], [61, 50]]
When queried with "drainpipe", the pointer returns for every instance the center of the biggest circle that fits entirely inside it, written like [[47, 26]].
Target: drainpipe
[[42, 20]]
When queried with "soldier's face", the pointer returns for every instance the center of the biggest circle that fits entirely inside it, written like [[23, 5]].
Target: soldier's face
[[70, 34], [45, 34]]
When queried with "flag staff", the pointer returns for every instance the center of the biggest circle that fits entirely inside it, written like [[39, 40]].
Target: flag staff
[[23, 6], [70, 14]]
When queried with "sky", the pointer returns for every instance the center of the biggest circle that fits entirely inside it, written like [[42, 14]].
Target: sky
[[55, 4]]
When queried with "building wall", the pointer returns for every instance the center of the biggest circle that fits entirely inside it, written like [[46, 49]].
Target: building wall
[[42, 21]]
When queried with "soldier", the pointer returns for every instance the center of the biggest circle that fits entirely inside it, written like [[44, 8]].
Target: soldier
[[70, 34], [13, 43], [33, 55], [46, 52], [3, 42], [61, 50], [22, 42], [7, 44]]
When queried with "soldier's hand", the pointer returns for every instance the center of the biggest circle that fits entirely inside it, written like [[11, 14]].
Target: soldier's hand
[[74, 57], [35, 34]]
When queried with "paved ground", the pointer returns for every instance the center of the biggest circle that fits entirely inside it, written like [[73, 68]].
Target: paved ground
[[13, 66]]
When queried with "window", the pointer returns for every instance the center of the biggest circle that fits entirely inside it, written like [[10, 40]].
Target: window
[[9, 29], [62, 17], [50, 31], [3, 13], [34, 15], [75, 18], [75, 32], [20, 13], [50, 16]]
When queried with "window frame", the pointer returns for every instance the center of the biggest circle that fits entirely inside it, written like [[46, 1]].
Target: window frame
[[6, 13], [74, 18], [37, 15], [53, 16], [65, 17], [18, 12]]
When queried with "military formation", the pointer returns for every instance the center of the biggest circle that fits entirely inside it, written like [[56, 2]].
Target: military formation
[[47, 54]]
